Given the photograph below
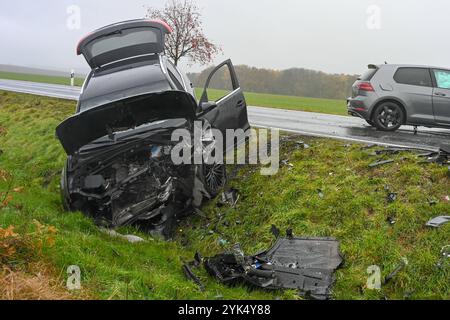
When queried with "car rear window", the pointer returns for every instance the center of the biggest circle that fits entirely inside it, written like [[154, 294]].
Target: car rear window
[[413, 76], [122, 39], [368, 75]]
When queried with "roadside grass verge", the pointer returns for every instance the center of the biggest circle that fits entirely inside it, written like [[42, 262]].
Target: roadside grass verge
[[351, 206]]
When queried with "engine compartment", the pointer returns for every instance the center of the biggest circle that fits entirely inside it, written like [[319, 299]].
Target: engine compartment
[[133, 184]]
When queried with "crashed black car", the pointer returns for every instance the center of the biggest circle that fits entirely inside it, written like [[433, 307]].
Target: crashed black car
[[119, 168]]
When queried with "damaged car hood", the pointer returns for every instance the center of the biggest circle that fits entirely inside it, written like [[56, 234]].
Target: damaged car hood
[[87, 126]]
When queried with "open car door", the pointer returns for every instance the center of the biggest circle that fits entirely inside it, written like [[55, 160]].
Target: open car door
[[122, 41], [225, 108]]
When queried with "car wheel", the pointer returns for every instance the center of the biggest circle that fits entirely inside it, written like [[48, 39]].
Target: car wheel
[[388, 116], [214, 178]]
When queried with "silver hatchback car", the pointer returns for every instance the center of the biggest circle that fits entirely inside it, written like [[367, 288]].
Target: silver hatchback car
[[389, 96]]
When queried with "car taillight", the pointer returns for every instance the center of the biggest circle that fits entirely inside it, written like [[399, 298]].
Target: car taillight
[[365, 86]]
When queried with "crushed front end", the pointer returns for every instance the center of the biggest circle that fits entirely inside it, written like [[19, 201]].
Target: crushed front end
[[125, 174]]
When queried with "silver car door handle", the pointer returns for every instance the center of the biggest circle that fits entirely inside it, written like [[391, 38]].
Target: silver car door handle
[[440, 94]]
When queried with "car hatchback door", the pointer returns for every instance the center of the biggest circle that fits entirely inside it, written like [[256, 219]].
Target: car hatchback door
[[441, 96], [223, 103]]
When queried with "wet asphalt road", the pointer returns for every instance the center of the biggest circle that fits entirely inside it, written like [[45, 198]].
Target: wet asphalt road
[[305, 123]]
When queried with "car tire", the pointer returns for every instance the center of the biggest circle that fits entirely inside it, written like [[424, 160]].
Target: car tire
[[388, 116], [213, 177]]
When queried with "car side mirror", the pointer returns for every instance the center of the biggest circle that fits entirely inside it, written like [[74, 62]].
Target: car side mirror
[[207, 106]]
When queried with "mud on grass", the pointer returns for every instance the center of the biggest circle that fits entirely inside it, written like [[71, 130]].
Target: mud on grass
[[351, 206]]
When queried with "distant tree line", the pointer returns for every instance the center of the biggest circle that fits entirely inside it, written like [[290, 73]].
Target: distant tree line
[[293, 82]]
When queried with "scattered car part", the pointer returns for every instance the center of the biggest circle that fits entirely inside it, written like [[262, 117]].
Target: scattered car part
[[445, 256], [441, 157], [190, 275], [380, 163], [304, 264], [275, 231], [391, 220], [399, 268], [320, 193], [230, 197], [391, 197], [438, 221]]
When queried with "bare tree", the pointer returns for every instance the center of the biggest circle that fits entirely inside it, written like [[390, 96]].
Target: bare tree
[[187, 39]]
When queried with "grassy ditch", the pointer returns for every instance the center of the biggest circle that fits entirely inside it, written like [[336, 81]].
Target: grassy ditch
[[328, 190]]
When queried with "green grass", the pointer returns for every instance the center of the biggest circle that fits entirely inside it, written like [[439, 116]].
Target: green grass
[[39, 78], [329, 106], [353, 209]]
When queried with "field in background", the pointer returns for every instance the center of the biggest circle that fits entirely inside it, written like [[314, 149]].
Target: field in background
[[329, 106], [325, 190]]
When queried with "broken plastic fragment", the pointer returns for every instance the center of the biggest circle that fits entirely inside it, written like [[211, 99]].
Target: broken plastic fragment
[[380, 163], [275, 231], [304, 264], [438, 221], [391, 197], [230, 197]]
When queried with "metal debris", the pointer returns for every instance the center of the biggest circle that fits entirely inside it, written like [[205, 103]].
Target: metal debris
[[438, 221]]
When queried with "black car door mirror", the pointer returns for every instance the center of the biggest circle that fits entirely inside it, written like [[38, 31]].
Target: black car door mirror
[[207, 106]]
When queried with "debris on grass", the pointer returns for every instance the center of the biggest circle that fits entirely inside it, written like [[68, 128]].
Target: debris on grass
[[275, 231], [399, 268], [303, 264], [230, 197], [438, 221], [445, 257], [391, 197], [380, 163], [115, 234], [320, 193], [440, 157], [189, 273], [391, 220], [286, 163]]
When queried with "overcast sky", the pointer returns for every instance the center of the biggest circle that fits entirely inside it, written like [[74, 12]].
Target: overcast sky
[[337, 36]]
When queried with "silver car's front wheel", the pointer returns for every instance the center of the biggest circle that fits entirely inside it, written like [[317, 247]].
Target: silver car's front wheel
[[389, 116]]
